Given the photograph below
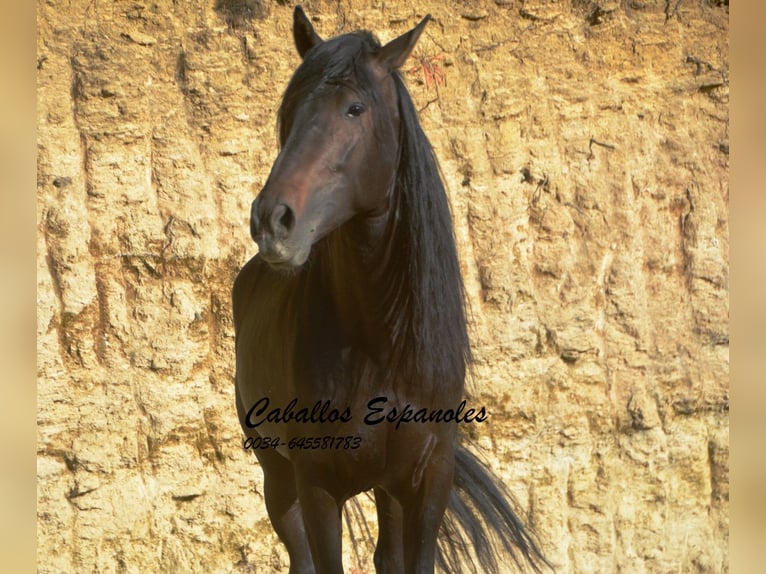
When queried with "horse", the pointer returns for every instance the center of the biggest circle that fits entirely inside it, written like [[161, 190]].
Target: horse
[[350, 326]]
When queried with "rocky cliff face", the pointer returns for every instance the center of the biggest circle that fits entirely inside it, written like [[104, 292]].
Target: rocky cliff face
[[585, 148]]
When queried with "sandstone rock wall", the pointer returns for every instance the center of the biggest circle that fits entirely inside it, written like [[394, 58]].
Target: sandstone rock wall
[[585, 148]]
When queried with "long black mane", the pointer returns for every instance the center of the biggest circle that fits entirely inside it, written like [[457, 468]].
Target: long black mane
[[435, 343]]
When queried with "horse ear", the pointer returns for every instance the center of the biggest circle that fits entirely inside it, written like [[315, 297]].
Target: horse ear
[[395, 53], [303, 32]]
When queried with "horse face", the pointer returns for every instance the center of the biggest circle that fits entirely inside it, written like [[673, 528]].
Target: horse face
[[340, 144], [337, 162]]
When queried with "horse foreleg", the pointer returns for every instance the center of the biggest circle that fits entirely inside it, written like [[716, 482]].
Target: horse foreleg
[[282, 502], [322, 517], [389, 550], [424, 510], [285, 510]]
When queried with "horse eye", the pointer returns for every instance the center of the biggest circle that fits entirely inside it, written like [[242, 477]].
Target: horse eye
[[355, 110]]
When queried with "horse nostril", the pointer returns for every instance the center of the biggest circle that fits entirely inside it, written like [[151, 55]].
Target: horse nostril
[[282, 219]]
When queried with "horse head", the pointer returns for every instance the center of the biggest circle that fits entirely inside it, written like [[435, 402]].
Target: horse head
[[339, 136]]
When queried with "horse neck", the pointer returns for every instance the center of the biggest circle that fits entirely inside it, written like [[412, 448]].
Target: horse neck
[[376, 280], [354, 264], [395, 279]]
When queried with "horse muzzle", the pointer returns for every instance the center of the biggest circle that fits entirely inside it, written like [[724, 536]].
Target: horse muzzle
[[273, 230]]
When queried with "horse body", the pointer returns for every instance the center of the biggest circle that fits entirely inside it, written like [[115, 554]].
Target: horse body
[[355, 295]]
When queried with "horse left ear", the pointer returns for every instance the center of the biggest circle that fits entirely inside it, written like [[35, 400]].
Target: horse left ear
[[395, 53], [303, 32]]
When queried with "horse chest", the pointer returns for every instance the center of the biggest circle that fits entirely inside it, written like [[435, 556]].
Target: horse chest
[[300, 377]]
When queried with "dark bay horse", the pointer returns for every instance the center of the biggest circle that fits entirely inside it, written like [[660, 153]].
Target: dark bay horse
[[351, 336]]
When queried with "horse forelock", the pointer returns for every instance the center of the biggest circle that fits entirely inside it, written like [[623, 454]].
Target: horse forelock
[[338, 61]]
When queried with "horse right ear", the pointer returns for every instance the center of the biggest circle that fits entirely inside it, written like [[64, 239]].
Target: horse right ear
[[303, 32]]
